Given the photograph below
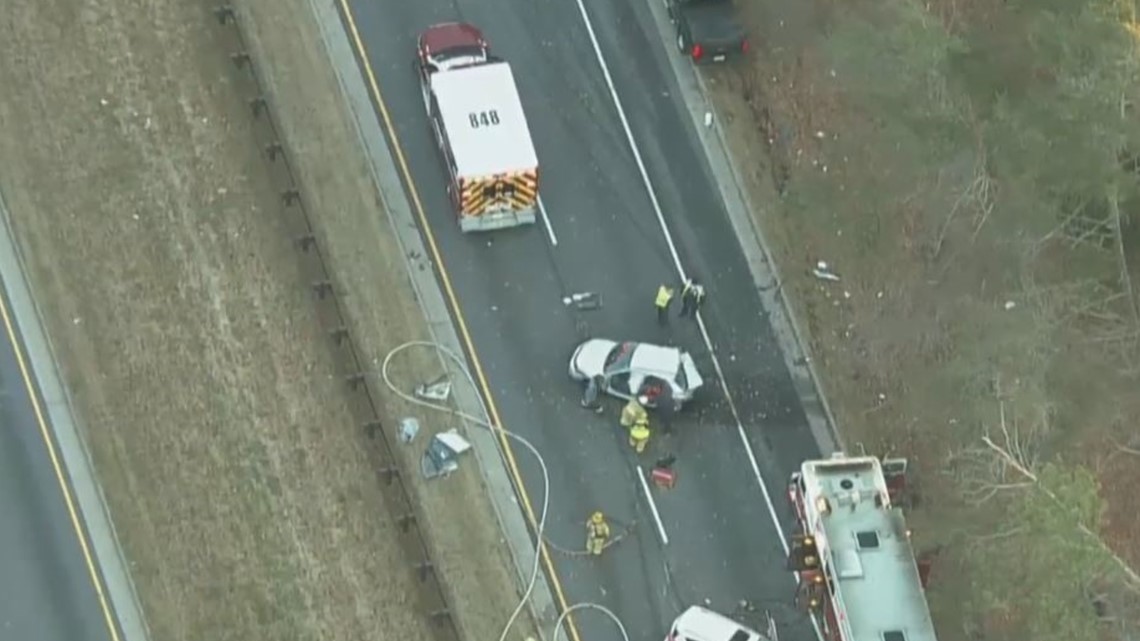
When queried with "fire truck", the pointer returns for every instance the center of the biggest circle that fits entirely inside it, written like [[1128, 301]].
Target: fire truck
[[856, 567], [480, 127]]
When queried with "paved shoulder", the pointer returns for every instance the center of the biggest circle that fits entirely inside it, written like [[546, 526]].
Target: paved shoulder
[[46, 591], [62, 575]]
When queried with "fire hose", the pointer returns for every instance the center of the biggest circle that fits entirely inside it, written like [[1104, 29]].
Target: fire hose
[[540, 526]]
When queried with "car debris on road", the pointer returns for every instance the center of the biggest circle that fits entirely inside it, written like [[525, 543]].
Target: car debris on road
[[584, 301], [442, 455]]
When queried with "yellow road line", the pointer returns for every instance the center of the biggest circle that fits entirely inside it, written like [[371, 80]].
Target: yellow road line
[[57, 467], [453, 301]]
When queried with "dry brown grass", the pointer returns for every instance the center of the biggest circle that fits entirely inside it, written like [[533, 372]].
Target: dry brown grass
[[240, 484]]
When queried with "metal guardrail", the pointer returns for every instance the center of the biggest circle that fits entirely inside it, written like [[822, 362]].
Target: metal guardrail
[[296, 214]]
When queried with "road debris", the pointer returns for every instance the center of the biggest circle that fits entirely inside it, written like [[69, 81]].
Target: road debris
[[823, 272], [437, 391], [409, 428], [583, 300], [442, 455]]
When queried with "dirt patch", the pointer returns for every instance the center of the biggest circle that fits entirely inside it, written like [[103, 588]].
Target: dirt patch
[[240, 482]]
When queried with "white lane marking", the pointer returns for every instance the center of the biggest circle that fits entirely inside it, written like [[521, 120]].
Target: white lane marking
[[652, 506], [680, 270], [546, 223]]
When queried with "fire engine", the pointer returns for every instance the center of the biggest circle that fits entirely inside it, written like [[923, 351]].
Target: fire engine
[[853, 556], [480, 127]]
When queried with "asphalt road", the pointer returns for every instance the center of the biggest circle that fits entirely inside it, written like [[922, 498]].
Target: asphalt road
[[723, 546], [46, 591]]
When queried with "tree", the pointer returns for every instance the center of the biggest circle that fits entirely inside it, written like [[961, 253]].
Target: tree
[[1044, 568], [1052, 84]]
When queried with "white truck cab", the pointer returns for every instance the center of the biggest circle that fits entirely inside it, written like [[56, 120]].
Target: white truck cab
[[480, 127]]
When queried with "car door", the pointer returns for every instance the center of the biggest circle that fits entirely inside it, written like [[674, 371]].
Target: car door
[[618, 382]]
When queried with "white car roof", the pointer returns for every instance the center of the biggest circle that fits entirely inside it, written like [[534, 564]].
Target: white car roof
[[484, 150], [702, 624], [654, 358]]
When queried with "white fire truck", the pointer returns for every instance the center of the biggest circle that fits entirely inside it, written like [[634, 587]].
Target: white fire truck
[[853, 556], [475, 110]]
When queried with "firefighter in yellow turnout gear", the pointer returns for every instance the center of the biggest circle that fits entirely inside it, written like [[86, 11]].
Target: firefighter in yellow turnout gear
[[635, 418], [661, 302], [597, 533]]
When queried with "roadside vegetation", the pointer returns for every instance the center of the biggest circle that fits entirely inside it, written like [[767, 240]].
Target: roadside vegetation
[[969, 168]]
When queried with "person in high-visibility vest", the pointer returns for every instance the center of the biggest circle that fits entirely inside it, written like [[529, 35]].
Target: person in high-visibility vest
[[639, 436], [634, 412], [692, 295], [597, 533], [664, 297]]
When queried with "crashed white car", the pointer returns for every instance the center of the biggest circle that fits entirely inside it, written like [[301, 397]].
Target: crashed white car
[[631, 369]]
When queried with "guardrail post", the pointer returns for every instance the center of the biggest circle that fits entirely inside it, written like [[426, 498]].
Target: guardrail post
[[240, 59], [224, 13], [306, 242], [389, 474], [372, 428], [404, 520], [323, 288]]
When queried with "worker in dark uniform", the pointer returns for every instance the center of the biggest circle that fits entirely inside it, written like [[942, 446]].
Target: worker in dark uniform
[[692, 295], [664, 297], [665, 408], [590, 398]]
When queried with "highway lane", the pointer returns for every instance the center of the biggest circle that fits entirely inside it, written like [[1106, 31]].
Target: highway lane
[[723, 546], [46, 592], [750, 357]]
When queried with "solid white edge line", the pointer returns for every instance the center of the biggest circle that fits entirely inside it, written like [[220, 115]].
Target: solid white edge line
[[700, 320], [546, 223], [629, 138], [652, 506], [677, 262], [743, 436]]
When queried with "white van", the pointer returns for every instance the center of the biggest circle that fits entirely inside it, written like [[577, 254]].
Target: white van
[[702, 624]]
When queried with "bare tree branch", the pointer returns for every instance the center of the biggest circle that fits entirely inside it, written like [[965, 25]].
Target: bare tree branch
[[1125, 277], [1130, 573]]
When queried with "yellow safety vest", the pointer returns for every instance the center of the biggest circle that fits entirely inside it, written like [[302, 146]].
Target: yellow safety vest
[[664, 295], [632, 413], [640, 432]]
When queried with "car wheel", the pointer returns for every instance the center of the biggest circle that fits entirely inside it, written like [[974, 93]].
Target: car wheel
[[681, 43]]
